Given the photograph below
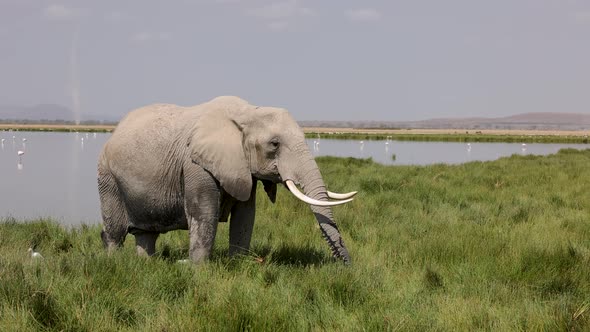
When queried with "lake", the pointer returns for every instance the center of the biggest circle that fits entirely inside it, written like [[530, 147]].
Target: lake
[[426, 153], [56, 175]]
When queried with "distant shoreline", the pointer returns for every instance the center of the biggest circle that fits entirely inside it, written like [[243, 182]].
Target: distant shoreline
[[417, 131], [56, 127], [458, 135], [452, 135]]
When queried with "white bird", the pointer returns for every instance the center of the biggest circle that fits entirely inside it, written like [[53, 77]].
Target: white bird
[[386, 143], [34, 254], [523, 144], [20, 159], [316, 145], [24, 139], [3, 140]]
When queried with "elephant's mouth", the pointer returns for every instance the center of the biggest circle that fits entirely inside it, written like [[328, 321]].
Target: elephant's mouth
[[270, 178], [338, 198]]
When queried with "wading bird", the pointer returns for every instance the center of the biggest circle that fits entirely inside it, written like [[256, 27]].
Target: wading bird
[[34, 254]]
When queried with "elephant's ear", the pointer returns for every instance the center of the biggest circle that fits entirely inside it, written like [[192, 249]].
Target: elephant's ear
[[271, 190], [216, 145]]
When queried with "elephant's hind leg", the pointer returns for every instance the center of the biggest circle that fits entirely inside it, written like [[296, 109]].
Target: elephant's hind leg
[[114, 212]]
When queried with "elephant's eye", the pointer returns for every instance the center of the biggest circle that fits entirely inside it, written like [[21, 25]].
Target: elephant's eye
[[274, 143]]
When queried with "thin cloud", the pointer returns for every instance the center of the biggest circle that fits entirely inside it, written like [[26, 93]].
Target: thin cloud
[[60, 12], [363, 15], [278, 16], [281, 10]]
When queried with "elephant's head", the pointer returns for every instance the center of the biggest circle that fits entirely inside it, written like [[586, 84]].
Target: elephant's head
[[238, 143]]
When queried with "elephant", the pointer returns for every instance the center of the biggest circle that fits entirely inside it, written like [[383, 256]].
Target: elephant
[[169, 167]]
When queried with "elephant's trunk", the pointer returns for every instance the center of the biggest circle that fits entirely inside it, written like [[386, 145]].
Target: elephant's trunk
[[308, 175]]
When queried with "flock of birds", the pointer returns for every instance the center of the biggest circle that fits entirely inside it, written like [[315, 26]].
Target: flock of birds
[[21, 153], [388, 140], [316, 144]]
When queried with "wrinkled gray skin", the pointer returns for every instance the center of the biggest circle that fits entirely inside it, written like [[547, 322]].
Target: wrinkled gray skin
[[168, 167]]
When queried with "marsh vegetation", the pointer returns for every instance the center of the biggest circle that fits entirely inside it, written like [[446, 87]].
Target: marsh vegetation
[[501, 245]]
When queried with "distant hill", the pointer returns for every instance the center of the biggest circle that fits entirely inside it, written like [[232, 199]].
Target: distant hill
[[51, 113], [45, 113], [547, 121], [36, 113]]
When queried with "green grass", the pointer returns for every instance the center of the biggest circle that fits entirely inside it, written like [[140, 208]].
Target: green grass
[[502, 246], [458, 137]]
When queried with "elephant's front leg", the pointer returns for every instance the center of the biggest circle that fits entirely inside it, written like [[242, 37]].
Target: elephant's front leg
[[242, 223], [202, 204]]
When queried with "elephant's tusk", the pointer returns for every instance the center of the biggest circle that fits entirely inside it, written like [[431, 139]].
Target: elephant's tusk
[[341, 196], [309, 200]]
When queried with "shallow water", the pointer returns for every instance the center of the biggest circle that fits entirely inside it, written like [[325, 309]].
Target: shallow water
[[426, 153], [56, 175]]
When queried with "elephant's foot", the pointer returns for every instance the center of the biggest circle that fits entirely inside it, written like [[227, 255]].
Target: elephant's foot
[[145, 243], [199, 255], [202, 235], [109, 245]]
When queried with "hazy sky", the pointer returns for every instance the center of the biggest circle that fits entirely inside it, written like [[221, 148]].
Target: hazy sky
[[340, 60]]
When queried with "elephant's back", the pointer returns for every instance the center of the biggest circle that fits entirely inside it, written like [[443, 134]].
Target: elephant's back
[[144, 127], [139, 146], [149, 117]]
